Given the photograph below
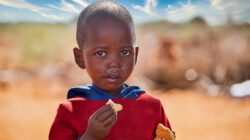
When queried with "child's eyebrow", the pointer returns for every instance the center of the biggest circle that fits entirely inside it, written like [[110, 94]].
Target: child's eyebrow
[[129, 46], [100, 47], [106, 47]]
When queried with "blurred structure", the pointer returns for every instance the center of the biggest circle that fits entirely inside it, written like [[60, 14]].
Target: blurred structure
[[241, 89], [195, 55]]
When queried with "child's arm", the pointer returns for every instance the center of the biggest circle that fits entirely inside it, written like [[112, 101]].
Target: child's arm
[[100, 123], [164, 130], [62, 127]]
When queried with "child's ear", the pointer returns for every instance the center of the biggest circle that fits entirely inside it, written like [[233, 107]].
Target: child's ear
[[136, 53], [79, 58]]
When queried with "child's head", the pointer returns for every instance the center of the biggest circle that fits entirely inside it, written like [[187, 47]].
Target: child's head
[[105, 37]]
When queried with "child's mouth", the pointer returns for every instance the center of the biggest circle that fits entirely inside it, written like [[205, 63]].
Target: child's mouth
[[112, 78]]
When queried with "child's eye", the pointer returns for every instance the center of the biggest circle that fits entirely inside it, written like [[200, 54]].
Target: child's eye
[[100, 53], [125, 53]]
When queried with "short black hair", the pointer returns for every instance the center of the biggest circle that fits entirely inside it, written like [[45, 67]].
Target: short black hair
[[102, 9]]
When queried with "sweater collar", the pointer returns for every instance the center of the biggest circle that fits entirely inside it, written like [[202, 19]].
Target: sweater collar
[[95, 93]]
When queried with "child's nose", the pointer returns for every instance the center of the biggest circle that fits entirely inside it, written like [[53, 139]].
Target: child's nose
[[114, 62]]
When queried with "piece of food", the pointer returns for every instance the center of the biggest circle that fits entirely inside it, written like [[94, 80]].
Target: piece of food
[[164, 133], [116, 107]]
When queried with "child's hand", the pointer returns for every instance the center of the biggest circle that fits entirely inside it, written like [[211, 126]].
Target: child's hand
[[100, 123]]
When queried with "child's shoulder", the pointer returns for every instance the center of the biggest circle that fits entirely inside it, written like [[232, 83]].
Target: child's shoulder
[[79, 100], [146, 97], [69, 103]]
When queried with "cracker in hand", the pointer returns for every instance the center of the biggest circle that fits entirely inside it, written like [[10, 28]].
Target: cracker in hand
[[116, 107], [164, 133]]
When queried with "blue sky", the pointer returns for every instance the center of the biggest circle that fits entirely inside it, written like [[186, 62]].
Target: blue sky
[[215, 12]]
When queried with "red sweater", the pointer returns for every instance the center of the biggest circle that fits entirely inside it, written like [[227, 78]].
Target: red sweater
[[137, 120]]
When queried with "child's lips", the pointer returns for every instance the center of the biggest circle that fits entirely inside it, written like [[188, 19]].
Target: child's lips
[[113, 75], [112, 78]]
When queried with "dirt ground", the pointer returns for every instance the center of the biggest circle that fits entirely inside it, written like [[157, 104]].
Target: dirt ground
[[27, 113]]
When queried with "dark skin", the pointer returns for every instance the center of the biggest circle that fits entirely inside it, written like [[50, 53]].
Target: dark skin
[[100, 123], [109, 57]]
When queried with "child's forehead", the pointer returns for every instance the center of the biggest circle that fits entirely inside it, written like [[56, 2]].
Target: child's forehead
[[99, 19], [106, 24], [112, 31]]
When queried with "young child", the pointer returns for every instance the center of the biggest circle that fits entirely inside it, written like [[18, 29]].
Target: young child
[[106, 49]]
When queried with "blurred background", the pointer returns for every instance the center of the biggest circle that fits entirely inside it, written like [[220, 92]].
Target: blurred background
[[194, 56]]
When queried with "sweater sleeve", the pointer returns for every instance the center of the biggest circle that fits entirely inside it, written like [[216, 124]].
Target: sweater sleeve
[[160, 117], [164, 119], [62, 128]]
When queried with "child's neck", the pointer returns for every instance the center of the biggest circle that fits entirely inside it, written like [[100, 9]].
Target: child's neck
[[114, 92]]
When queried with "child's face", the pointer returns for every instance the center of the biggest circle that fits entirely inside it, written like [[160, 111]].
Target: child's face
[[108, 54]]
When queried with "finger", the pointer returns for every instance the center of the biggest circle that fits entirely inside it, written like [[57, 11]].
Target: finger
[[105, 115], [101, 110], [111, 120], [110, 125]]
